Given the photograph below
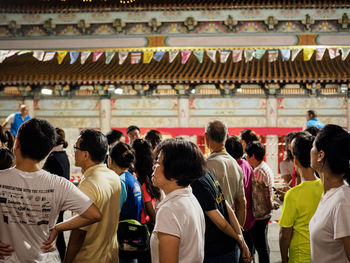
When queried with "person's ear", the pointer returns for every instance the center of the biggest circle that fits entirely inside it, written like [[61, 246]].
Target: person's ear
[[320, 156]]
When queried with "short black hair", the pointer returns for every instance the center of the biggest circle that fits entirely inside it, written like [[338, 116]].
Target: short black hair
[[311, 113], [302, 146], [36, 138], [183, 161], [234, 147], [257, 149], [217, 131], [131, 128], [154, 137], [113, 136], [335, 142], [95, 143], [7, 158], [248, 136], [122, 155], [313, 130]]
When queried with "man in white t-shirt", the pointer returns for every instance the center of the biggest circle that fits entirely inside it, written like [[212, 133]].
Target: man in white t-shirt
[[31, 199]]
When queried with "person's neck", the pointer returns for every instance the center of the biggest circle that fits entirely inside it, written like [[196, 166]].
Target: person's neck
[[170, 187], [27, 165], [330, 181], [217, 148], [307, 174], [88, 165], [120, 170]]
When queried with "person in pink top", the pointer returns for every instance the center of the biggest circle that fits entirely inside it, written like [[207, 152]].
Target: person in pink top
[[235, 149]]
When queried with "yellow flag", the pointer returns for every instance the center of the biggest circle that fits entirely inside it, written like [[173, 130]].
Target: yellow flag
[[61, 55], [147, 56], [308, 52]]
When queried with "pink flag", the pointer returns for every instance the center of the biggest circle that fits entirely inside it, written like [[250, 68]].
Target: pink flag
[[185, 55], [97, 55], [333, 52], [320, 53], [237, 55]]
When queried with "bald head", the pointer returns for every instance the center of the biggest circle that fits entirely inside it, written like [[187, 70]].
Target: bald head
[[216, 131], [24, 110]]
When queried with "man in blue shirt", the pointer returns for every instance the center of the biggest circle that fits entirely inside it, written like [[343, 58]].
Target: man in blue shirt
[[16, 119], [312, 121]]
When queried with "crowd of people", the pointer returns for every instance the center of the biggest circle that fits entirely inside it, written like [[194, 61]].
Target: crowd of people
[[195, 209]]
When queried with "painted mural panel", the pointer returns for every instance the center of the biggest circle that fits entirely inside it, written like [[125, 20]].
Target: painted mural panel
[[145, 103], [227, 103], [74, 122], [9, 106], [68, 104], [153, 122], [230, 121]]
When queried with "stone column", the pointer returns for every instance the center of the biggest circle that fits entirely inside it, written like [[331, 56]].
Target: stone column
[[105, 115], [29, 101], [272, 140], [184, 112]]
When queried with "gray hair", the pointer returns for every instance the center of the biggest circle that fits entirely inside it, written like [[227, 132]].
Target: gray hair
[[217, 131]]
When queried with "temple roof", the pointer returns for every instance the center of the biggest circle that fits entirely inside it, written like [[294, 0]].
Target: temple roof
[[54, 6], [27, 70]]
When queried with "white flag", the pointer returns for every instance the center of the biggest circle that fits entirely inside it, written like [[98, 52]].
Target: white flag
[[295, 52], [172, 55], [320, 53], [122, 56], [38, 54], [344, 53], [212, 55], [49, 55], [3, 54], [333, 52], [224, 54], [84, 56], [11, 53]]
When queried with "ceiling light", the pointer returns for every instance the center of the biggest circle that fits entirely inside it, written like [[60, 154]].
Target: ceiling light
[[46, 91], [118, 91]]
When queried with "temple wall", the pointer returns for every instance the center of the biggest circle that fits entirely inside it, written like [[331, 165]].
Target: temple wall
[[75, 114]]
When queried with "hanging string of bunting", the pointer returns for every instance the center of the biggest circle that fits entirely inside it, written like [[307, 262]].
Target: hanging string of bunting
[[146, 57]]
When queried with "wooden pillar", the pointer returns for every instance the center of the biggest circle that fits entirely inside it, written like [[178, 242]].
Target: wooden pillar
[[184, 112], [105, 115], [272, 140]]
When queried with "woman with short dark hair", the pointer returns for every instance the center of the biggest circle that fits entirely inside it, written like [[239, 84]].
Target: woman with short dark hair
[[178, 235], [330, 225]]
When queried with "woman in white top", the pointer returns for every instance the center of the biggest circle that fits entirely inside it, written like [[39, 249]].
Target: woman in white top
[[330, 225], [178, 234]]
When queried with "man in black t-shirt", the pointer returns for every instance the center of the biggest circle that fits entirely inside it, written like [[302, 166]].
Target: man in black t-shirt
[[223, 236]]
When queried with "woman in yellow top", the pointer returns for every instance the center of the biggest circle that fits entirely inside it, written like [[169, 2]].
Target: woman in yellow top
[[300, 204]]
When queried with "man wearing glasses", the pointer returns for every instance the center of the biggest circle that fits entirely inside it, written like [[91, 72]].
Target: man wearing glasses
[[98, 242]]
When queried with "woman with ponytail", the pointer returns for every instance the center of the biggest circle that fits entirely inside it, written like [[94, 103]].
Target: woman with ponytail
[[121, 158], [330, 225]]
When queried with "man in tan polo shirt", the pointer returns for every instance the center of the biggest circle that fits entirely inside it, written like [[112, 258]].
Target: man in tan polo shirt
[[97, 242]]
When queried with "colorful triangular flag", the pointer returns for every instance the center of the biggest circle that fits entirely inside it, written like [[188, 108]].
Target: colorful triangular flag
[[212, 55], [248, 54], [199, 55], [3, 54], [61, 55], [159, 55], [97, 54], [84, 56], [122, 56], [172, 55], [24, 52], [39, 54], [258, 53], [73, 56], [285, 53], [307, 53], [273, 55], [295, 52], [11, 53], [185, 55], [135, 57], [224, 54], [147, 56], [49, 55], [237, 55], [319, 53], [109, 56], [333, 52], [344, 53]]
